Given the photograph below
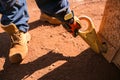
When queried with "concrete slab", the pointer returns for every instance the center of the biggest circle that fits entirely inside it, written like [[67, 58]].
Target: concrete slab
[[110, 28]]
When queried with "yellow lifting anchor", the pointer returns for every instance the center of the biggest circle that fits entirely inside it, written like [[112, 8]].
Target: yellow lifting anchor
[[90, 36]]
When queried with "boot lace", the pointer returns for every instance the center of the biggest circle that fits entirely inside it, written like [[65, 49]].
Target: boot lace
[[16, 38]]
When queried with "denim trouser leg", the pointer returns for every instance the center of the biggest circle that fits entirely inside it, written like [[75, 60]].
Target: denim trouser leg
[[56, 8], [14, 11]]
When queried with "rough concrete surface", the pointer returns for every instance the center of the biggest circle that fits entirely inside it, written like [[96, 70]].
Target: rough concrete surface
[[110, 29]]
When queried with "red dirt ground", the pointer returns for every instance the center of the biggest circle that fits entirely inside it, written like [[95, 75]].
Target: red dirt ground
[[54, 54]]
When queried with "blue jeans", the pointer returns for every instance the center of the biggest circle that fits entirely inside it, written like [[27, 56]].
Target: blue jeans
[[55, 8], [15, 11]]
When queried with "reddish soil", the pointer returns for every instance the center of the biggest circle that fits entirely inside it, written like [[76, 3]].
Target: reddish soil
[[54, 54]]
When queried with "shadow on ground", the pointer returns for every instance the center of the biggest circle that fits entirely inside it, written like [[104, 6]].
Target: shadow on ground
[[86, 66], [4, 44], [37, 23]]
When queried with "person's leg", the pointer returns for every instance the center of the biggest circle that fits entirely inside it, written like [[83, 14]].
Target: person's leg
[[14, 22], [15, 12], [1, 9], [60, 9], [54, 8]]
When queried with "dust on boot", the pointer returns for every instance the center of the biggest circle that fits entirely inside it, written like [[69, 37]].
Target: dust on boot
[[19, 42]]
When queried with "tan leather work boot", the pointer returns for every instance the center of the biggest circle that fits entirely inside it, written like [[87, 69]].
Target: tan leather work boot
[[19, 40], [51, 20]]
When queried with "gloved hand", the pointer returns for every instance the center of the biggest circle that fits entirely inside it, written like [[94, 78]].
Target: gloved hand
[[71, 24]]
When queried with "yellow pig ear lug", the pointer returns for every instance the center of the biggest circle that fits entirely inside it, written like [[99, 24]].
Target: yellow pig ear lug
[[90, 36]]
